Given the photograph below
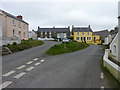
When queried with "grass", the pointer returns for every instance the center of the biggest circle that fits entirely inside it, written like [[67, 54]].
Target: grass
[[113, 81], [25, 44], [66, 48]]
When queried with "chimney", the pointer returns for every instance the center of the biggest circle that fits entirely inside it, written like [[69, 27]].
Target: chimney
[[72, 26], [20, 17], [89, 26], [68, 27]]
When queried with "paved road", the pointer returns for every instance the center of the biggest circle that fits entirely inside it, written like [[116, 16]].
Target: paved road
[[31, 69]]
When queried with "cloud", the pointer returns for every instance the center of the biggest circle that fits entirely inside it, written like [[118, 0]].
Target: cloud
[[101, 15]]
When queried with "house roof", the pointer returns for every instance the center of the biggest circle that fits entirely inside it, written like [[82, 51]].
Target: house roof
[[53, 29], [82, 29], [96, 33], [102, 33], [12, 16]]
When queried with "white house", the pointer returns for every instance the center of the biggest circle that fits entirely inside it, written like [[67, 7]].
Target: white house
[[112, 55], [119, 32], [107, 40], [33, 35]]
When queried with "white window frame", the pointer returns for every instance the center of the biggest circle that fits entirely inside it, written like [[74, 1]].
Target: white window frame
[[114, 49]]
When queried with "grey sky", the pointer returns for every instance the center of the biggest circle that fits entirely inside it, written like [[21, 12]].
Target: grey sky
[[100, 15]]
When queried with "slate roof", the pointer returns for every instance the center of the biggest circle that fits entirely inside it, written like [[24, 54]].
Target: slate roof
[[96, 33], [53, 29], [82, 29], [12, 16], [102, 33]]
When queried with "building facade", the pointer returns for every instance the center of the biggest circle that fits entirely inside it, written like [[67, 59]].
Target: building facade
[[13, 27], [53, 33], [33, 35], [85, 34]]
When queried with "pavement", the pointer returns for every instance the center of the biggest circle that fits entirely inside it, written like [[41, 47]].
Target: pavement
[[32, 69]]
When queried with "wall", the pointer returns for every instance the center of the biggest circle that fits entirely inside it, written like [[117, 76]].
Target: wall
[[8, 27], [80, 35], [119, 32], [112, 54], [112, 67]]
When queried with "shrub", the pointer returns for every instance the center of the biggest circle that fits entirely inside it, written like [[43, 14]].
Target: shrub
[[14, 43], [8, 44]]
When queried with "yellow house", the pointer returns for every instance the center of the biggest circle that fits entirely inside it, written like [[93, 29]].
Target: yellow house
[[85, 34]]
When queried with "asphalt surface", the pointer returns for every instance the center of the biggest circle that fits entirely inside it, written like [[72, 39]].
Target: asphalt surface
[[80, 69]]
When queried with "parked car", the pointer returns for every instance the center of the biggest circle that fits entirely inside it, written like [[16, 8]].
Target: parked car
[[65, 40]]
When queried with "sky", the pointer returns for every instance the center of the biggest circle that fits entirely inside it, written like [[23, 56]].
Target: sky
[[100, 14]]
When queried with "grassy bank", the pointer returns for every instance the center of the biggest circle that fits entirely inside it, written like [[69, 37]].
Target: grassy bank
[[66, 48], [25, 44]]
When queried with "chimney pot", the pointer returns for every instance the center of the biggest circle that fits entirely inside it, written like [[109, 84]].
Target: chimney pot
[[20, 17]]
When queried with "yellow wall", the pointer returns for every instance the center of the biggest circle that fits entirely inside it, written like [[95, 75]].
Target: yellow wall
[[88, 40]]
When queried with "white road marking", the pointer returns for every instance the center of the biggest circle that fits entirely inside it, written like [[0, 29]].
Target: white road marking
[[30, 68], [9, 73], [102, 75], [42, 60], [29, 62], [21, 67], [36, 64], [19, 75], [35, 59], [102, 87], [5, 84]]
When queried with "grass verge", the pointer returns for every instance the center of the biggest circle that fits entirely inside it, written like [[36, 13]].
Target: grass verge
[[66, 48], [25, 44]]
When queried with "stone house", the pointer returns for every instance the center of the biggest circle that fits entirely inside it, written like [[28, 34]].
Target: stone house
[[14, 28], [53, 33]]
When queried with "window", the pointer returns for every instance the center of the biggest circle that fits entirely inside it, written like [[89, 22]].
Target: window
[[114, 50], [24, 34], [77, 38], [19, 25], [13, 32], [82, 33], [13, 22], [24, 26], [19, 33], [41, 33], [88, 38], [78, 33], [88, 33]]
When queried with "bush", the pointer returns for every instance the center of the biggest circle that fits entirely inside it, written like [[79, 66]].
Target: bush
[[25, 44], [14, 43], [8, 44]]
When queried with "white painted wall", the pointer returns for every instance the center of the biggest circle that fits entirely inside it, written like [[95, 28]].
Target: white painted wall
[[119, 32]]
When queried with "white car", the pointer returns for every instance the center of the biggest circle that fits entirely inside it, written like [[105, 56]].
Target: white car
[[65, 40]]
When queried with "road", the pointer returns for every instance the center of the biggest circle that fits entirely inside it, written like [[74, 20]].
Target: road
[[31, 69]]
